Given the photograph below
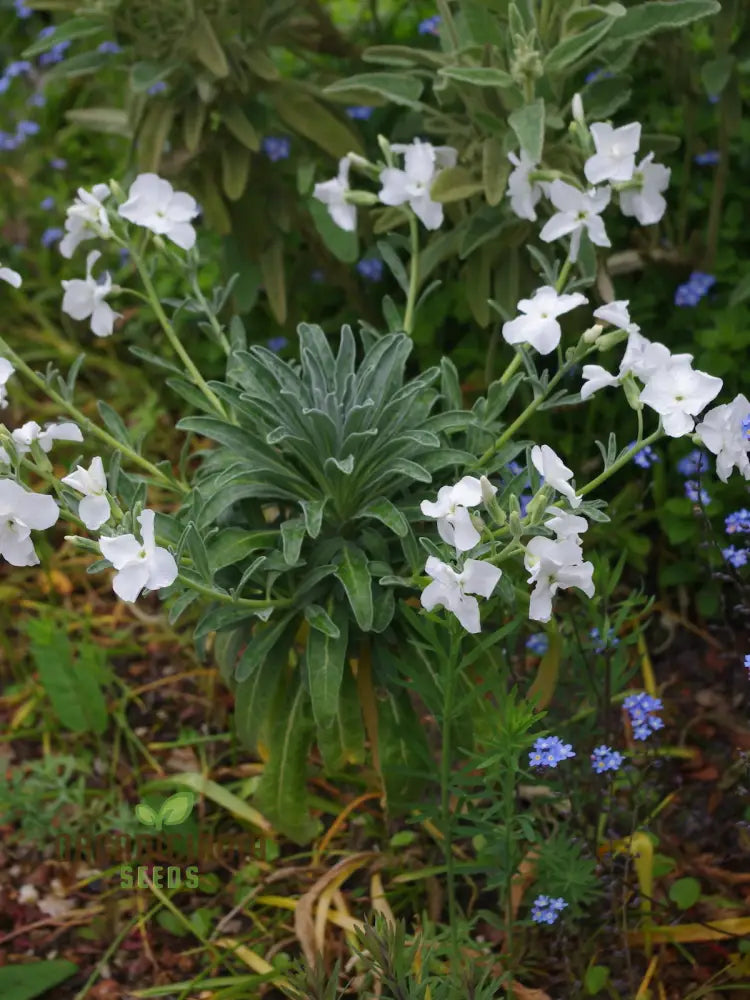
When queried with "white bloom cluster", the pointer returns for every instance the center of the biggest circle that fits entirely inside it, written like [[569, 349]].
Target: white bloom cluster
[[557, 564]]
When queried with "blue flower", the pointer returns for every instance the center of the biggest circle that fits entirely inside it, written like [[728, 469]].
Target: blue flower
[[549, 751], [702, 281], [693, 463], [14, 69], [746, 426], [601, 644], [156, 88], [52, 236], [37, 101], [277, 344], [641, 708], [604, 758], [109, 48], [747, 661], [697, 285], [361, 111], [371, 268], [686, 295], [317, 275], [58, 163], [56, 54], [8, 141], [430, 26], [45, 32], [4, 83], [734, 556], [524, 500], [695, 493], [646, 457], [546, 910], [597, 74], [26, 128], [737, 522], [538, 643], [124, 255], [714, 98], [47, 204], [514, 468], [276, 147], [22, 10], [708, 159]]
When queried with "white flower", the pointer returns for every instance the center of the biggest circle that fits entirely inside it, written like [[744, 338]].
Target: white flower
[[645, 358], [139, 564], [555, 565], [539, 326], [449, 589], [94, 509], [422, 163], [617, 314], [333, 194], [21, 512], [85, 297], [614, 159], [722, 432], [595, 378], [6, 370], [31, 431], [523, 194], [86, 218], [566, 525], [154, 203], [453, 519], [678, 393], [556, 474], [647, 203], [12, 277], [576, 211]]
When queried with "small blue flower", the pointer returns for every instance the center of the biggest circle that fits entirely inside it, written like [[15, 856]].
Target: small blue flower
[[746, 426], [693, 464], [549, 751], [371, 268], [8, 141], [702, 281], [4, 83], [601, 644], [737, 522], [317, 276], [56, 54], [708, 159], [538, 643], [277, 344], [686, 295], [641, 708], [598, 74], [734, 556], [514, 468], [746, 661], [360, 111], [124, 256], [58, 163], [37, 100], [156, 88], [646, 457], [18, 67], [524, 500], [45, 32], [604, 758], [546, 910], [430, 26], [109, 48], [47, 204], [695, 493], [22, 10], [276, 147], [714, 98], [26, 128], [52, 236]]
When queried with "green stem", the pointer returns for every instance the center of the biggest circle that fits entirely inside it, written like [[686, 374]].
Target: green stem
[[623, 460], [215, 325], [512, 368], [245, 602], [172, 337], [445, 809], [447, 16], [413, 274], [563, 275], [89, 425], [509, 803]]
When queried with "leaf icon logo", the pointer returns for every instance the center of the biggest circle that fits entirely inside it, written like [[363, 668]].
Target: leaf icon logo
[[172, 812]]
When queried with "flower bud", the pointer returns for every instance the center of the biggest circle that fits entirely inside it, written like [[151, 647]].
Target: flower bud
[[116, 190], [611, 339], [632, 391], [536, 506], [358, 161], [492, 507], [576, 108], [361, 198], [514, 522], [591, 335]]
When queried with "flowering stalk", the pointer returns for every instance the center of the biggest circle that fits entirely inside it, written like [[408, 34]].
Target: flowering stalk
[[92, 428], [413, 274], [622, 460]]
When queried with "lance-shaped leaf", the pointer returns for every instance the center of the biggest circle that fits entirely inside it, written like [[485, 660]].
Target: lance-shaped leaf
[[354, 576], [528, 124], [255, 696], [383, 510], [319, 619], [325, 657], [378, 88], [313, 514], [262, 642], [343, 740], [658, 15], [292, 536], [478, 76]]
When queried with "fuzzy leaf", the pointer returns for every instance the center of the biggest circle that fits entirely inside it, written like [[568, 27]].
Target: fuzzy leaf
[[325, 657], [354, 576], [528, 124], [478, 76]]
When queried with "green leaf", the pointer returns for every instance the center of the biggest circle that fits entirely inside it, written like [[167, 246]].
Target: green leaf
[[74, 27], [401, 55], [309, 118], [145, 74], [262, 642], [343, 245], [454, 184], [177, 808], [495, 170], [528, 124], [343, 741], [282, 793], [193, 121], [595, 979], [145, 814], [570, 49], [73, 686], [198, 553], [658, 15], [207, 47], [202, 786], [292, 536], [383, 510], [395, 266], [217, 619], [659, 143], [353, 574], [685, 892], [232, 545], [111, 120], [235, 168], [478, 76], [272, 269], [313, 514], [715, 74], [741, 291], [25, 982], [377, 89], [318, 619], [74, 66], [325, 658]]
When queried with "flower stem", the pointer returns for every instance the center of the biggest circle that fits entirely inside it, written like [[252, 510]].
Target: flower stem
[[245, 602], [172, 337], [413, 274], [452, 671], [89, 425], [563, 275], [622, 460], [512, 368]]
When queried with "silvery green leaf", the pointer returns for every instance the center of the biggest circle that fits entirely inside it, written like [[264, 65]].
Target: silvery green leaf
[[312, 511], [292, 536]]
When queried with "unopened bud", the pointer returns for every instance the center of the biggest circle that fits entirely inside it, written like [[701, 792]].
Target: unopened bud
[[492, 507], [514, 522], [592, 334], [358, 161], [536, 505], [361, 198], [576, 108], [116, 190], [632, 391], [611, 339]]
